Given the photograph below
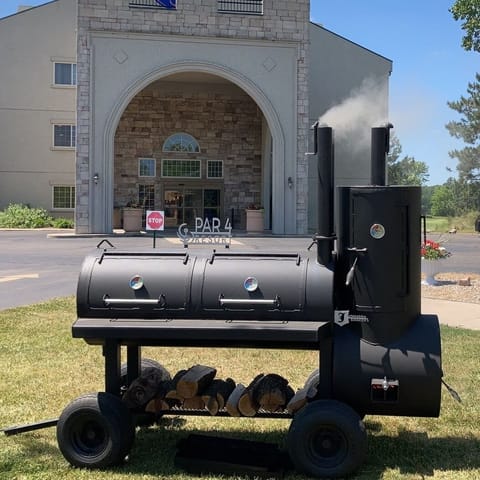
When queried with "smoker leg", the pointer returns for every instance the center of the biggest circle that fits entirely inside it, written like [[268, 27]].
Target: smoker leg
[[111, 352], [326, 368], [134, 355]]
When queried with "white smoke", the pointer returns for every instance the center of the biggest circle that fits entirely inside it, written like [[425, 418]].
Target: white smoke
[[353, 118]]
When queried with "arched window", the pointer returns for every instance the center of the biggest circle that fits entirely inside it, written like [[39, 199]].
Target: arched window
[[181, 142]]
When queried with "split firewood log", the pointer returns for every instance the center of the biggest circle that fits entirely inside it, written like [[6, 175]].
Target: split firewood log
[[298, 401], [271, 392], [144, 388], [216, 394], [193, 403], [156, 405], [195, 380], [171, 387], [232, 402], [247, 405]]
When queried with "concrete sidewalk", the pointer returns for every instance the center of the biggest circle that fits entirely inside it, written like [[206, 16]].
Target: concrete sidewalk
[[453, 314]]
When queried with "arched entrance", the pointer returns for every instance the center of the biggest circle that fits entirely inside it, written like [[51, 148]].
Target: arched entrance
[[194, 145], [266, 160]]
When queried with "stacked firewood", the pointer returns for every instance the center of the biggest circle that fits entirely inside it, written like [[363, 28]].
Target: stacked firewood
[[198, 389]]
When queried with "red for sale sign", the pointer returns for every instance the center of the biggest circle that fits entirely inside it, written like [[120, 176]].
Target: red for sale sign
[[155, 220]]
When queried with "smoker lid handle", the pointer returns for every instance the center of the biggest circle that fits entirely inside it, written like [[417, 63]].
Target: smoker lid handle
[[275, 302], [133, 301]]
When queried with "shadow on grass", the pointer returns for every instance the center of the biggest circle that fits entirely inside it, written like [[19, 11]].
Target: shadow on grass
[[410, 452]]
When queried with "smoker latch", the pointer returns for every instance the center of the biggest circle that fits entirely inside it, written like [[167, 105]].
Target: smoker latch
[[343, 317], [384, 390]]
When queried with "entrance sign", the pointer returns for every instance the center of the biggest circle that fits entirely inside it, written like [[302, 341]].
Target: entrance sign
[[206, 231], [155, 220]]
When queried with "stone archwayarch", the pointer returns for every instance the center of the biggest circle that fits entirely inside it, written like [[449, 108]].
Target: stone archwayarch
[[271, 116]]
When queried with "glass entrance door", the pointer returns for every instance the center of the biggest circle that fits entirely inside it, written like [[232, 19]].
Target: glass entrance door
[[183, 204]]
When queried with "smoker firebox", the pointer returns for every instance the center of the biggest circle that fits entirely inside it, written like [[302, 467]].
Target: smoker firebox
[[356, 302]]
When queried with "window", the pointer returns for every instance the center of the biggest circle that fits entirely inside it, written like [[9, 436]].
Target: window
[[65, 73], [146, 167], [181, 142], [64, 136], [162, 4], [250, 7], [215, 169], [63, 196], [181, 168], [146, 196]]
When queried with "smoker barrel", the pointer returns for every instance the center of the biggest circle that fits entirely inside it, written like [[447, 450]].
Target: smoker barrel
[[163, 285]]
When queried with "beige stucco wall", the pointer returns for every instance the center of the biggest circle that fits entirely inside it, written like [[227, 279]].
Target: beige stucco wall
[[29, 105]]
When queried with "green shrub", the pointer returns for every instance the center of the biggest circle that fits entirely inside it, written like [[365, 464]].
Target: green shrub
[[23, 216], [62, 223]]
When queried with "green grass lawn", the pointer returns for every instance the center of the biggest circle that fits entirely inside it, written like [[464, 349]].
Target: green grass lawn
[[43, 369], [463, 224]]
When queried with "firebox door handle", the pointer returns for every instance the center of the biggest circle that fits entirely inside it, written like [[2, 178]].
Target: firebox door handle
[[351, 273]]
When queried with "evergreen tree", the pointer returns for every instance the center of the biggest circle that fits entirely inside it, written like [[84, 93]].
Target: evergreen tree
[[468, 129]]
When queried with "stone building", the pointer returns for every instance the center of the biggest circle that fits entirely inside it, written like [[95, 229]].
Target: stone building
[[203, 108]]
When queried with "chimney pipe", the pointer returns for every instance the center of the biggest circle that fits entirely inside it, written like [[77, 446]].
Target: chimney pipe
[[325, 154], [380, 148]]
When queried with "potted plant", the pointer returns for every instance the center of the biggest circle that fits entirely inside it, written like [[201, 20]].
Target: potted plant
[[132, 217], [433, 254], [255, 218]]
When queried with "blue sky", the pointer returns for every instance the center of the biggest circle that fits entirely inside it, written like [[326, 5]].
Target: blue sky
[[429, 66]]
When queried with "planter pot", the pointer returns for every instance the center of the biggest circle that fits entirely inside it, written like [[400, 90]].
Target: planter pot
[[117, 218], [255, 220], [132, 219], [430, 268]]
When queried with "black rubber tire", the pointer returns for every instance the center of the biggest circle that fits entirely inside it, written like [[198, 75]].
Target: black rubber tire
[[327, 438], [95, 431], [144, 364]]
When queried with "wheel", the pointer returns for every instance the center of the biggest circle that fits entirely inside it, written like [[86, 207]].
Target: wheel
[[95, 431], [144, 364], [327, 439]]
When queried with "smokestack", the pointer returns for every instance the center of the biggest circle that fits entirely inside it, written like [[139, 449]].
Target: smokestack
[[380, 148], [324, 151]]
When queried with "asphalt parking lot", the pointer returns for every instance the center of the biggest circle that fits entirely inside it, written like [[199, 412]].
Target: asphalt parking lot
[[38, 265]]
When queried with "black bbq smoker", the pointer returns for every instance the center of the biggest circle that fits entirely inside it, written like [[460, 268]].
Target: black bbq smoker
[[357, 302]]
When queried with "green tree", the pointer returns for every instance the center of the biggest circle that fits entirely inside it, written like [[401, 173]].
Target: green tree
[[455, 197], [406, 170], [427, 192], [467, 129], [468, 11], [443, 201]]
